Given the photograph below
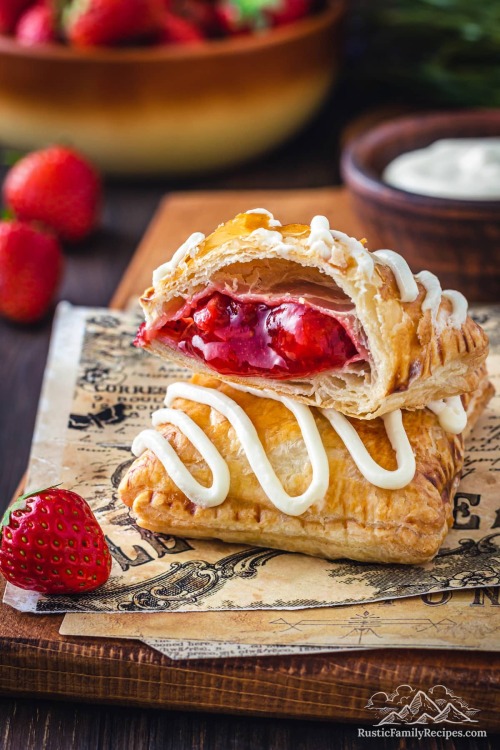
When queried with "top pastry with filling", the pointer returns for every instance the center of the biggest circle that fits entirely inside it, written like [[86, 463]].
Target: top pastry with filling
[[308, 312]]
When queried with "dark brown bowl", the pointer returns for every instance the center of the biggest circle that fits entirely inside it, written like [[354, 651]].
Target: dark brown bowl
[[458, 240]]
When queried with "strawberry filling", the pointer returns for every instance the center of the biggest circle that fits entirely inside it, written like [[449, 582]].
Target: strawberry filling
[[236, 337]]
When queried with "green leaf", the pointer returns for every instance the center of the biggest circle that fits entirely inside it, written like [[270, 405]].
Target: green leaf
[[11, 156], [252, 10], [20, 504], [70, 12]]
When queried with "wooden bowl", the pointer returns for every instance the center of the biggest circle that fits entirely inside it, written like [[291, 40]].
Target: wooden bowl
[[458, 240], [170, 109]]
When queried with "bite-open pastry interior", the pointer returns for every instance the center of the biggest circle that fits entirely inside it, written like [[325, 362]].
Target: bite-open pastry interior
[[308, 312]]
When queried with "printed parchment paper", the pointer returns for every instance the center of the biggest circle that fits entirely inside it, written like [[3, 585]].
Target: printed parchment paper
[[195, 650], [98, 394], [446, 620]]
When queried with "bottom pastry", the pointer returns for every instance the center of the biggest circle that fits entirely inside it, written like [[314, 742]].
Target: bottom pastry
[[262, 470]]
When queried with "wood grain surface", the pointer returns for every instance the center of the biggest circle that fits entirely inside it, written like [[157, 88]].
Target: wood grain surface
[[36, 660], [67, 726]]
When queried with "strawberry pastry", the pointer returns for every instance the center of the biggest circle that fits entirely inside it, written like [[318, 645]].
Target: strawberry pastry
[[308, 312]]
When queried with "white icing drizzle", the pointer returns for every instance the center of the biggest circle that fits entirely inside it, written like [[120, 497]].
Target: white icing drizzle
[[433, 290], [373, 472], [255, 453], [272, 221], [356, 249], [408, 289], [460, 306], [320, 239], [206, 497], [188, 247], [450, 413], [269, 238], [254, 450]]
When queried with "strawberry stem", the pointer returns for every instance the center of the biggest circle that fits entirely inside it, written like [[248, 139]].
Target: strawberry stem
[[20, 504]]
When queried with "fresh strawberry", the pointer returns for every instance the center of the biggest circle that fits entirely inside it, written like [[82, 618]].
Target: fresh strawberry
[[36, 26], [240, 16], [287, 11], [57, 187], [177, 30], [237, 17], [31, 263], [51, 542], [10, 12], [228, 19], [91, 23], [30, 268], [199, 13]]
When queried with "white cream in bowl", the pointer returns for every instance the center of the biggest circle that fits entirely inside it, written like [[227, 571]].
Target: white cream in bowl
[[460, 168]]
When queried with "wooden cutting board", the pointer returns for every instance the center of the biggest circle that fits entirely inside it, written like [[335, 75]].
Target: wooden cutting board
[[36, 661]]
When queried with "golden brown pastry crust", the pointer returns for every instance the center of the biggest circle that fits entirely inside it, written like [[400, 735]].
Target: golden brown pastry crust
[[413, 361], [357, 520]]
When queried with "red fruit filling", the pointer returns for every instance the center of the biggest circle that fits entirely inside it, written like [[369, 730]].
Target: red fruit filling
[[237, 337]]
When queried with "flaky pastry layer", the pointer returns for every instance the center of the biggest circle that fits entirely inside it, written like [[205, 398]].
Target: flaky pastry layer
[[356, 520]]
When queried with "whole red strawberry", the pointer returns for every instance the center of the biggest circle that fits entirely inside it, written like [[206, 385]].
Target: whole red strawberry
[[288, 11], [177, 30], [30, 268], [36, 25], [242, 16], [232, 22], [90, 23], [51, 542], [10, 12], [200, 13], [57, 187]]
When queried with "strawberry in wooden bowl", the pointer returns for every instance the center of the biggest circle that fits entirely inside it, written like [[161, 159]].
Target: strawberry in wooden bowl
[[200, 85]]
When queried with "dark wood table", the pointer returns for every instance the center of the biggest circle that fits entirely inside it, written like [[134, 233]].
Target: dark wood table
[[93, 270]]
